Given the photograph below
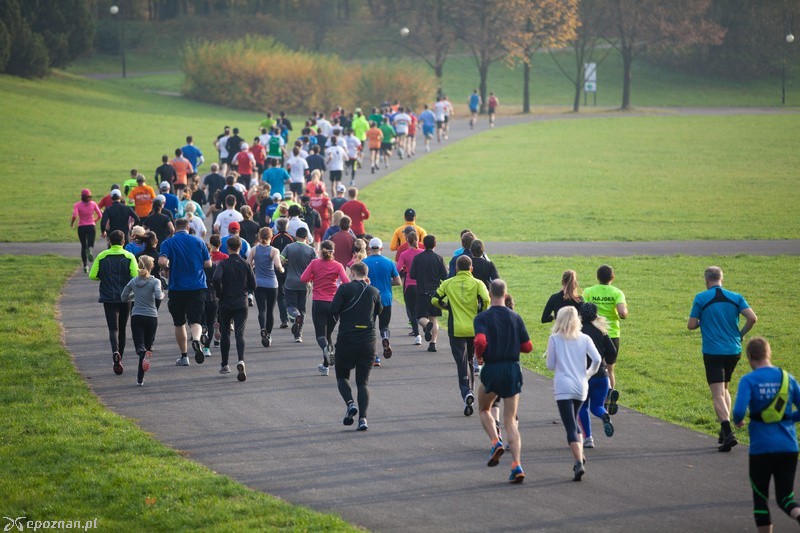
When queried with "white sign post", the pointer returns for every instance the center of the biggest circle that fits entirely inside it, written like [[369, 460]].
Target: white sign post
[[589, 81]]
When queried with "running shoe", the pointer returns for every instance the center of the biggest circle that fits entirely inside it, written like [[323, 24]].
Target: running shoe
[[117, 358], [249, 300], [588, 442], [427, 331], [204, 340], [728, 442], [611, 401], [469, 399], [224, 369], [517, 475], [86, 270], [324, 370], [182, 361], [377, 362], [362, 424], [207, 351], [350, 414], [297, 325], [199, 357], [476, 369], [327, 356], [608, 427], [431, 346], [240, 367], [578, 470], [146, 361], [284, 325], [140, 383], [387, 349], [217, 334], [216, 343], [265, 340], [90, 254], [495, 454], [298, 339], [721, 437], [418, 340]]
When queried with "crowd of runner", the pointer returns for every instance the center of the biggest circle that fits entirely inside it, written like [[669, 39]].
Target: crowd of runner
[[262, 228]]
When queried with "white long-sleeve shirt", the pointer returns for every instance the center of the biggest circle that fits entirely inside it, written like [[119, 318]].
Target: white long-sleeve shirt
[[567, 357]]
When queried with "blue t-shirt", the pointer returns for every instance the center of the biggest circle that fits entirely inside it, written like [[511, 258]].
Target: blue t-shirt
[[186, 254], [191, 152], [381, 273], [243, 251], [171, 204], [505, 334], [474, 102], [427, 118], [718, 312], [756, 391], [276, 177]]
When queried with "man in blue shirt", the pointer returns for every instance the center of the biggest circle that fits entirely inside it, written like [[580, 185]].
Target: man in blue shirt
[[716, 312], [186, 256], [428, 121], [382, 275], [193, 153], [474, 103], [171, 201], [276, 176]]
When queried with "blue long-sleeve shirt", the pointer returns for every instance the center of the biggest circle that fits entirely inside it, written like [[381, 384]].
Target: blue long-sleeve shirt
[[756, 391]]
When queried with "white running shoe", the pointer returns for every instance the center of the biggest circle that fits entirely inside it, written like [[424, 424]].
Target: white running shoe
[[418, 340], [182, 361], [224, 369], [324, 370]]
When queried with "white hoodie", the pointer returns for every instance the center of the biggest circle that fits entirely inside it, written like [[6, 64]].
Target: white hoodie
[[568, 358]]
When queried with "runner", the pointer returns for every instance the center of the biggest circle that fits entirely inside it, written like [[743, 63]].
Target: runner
[[428, 121], [428, 270], [114, 268], [353, 147], [357, 304], [322, 205], [106, 200], [374, 141], [314, 182], [335, 157], [567, 350], [357, 211], [344, 239], [233, 280], [596, 328], [570, 294], [210, 301], [280, 241], [192, 153], [266, 263], [275, 147], [233, 231], [182, 168], [398, 238], [493, 102], [474, 104], [128, 185], [449, 113], [145, 291], [118, 216], [773, 439], [87, 213], [159, 223], [227, 217], [404, 262], [439, 111], [296, 257], [383, 276], [298, 168], [276, 177], [245, 164], [464, 297], [186, 256], [170, 202], [500, 336], [142, 196], [387, 143], [401, 122], [195, 222], [324, 273], [221, 144], [610, 302]]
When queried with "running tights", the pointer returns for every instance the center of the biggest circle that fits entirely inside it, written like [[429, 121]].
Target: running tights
[[324, 322], [463, 349], [568, 409], [239, 318], [143, 330], [410, 297], [117, 320], [363, 368], [86, 235], [781, 467], [265, 300], [209, 319], [598, 390]]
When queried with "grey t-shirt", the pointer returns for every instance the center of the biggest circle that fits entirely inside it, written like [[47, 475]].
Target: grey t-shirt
[[298, 255], [144, 292]]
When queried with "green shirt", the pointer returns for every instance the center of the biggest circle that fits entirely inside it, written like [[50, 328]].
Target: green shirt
[[267, 123], [128, 186], [606, 298], [466, 297], [275, 146], [360, 127], [377, 118], [388, 133]]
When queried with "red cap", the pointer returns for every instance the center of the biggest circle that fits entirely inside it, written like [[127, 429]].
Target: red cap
[[233, 226], [86, 192]]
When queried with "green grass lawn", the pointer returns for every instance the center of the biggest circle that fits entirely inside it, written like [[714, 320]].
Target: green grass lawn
[[620, 179], [660, 368], [63, 455]]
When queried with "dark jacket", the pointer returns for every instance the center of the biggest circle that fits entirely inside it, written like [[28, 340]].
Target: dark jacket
[[113, 268], [117, 216], [608, 352], [230, 189], [555, 303], [357, 305], [429, 272], [233, 279]]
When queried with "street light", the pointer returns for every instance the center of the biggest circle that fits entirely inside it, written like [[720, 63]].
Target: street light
[[114, 10]]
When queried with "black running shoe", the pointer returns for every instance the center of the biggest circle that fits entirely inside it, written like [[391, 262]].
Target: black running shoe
[[578, 470], [199, 357], [612, 407], [432, 347], [608, 427], [242, 375], [350, 414], [387, 349], [728, 442], [427, 331], [117, 359], [265, 339], [721, 437]]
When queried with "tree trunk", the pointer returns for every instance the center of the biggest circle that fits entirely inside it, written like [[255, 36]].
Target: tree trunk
[[438, 71], [579, 56], [526, 87], [627, 63], [483, 70]]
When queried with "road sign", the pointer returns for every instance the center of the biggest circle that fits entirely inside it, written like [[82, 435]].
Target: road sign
[[590, 77]]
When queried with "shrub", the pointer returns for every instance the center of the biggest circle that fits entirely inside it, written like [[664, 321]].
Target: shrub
[[398, 80]]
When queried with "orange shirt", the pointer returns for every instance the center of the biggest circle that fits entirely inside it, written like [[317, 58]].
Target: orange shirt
[[182, 169], [143, 196], [374, 138]]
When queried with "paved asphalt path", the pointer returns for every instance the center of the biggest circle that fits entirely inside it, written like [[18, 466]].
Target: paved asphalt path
[[421, 465]]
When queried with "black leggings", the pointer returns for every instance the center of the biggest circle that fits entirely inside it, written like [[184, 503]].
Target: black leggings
[[265, 300], [209, 319], [383, 321], [143, 330], [782, 467], [410, 296], [568, 409], [363, 364], [117, 320], [324, 322], [239, 318], [86, 235]]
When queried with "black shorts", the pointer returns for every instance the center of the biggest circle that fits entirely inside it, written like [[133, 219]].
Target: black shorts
[[440, 123], [424, 306], [186, 306], [719, 368], [336, 175], [503, 379], [296, 188], [349, 354], [385, 147], [492, 110]]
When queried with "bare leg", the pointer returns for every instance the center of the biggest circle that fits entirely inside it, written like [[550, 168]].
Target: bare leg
[[180, 336], [485, 402], [510, 424], [612, 380], [722, 400]]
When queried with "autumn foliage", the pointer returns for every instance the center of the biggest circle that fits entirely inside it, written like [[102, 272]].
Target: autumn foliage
[[259, 74]]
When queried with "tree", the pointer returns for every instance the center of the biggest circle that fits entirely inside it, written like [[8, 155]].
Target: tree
[[643, 24], [538, 24], [66, 27]]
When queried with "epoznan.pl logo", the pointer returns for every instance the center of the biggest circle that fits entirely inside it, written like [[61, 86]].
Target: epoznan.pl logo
[[21, 524]]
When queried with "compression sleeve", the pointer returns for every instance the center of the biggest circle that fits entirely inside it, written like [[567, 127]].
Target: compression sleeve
[[480, 344], [526, 347]]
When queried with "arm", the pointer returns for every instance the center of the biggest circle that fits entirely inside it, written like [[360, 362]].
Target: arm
[[693, 323], [336, 304], [308, 274], [742, 402], [548, 315], [551, 354], [217, 280], [163, 262], [159, 294], [251, 257], [127, 292], [483, 296], [594, 355], [622, 310], [750, 320], [276, 261], [251, 280], [396, 280], [342, 274]]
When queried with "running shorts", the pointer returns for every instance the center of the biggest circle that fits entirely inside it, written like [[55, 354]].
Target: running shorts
[[492, 110], [336, 175], [503, 378], [348, 354], [186, 306], [425, 308], [719, 368], [440, 123], [427, 131], [386, 147]]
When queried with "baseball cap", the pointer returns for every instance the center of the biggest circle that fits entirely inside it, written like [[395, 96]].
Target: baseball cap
[[161, 198], [86, 192], [357, 110], [164, 186], [277, 196], [233, 225], [410, 212], [375, 243], [340, 188], [244, 147], [115, 193]]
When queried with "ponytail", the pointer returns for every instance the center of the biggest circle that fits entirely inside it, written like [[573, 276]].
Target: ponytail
[[145, 266], [571, 291], [326, 250]]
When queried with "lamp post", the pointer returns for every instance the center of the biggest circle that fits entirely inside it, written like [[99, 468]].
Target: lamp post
[[114, 10]]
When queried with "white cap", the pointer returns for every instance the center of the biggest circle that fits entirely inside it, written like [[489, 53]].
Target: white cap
[[164, 186], [244, 147], [115, 193], [277, 196], [340, 188], [161, 198], [375, 243]]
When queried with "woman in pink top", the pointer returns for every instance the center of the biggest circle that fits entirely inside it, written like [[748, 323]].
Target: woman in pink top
[[87, 214], [325, 274], [410, 284]]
